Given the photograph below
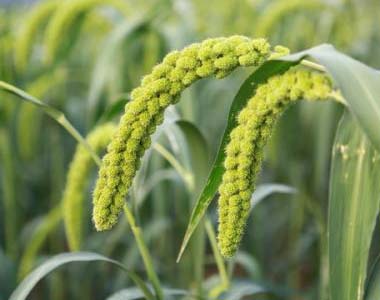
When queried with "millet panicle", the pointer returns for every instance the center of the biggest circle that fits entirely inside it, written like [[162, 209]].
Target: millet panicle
[[77, 183], [244, 153], [158, 90]]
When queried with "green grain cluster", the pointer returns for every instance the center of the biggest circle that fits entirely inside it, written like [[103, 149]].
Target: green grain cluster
[[218, 57], [244, 152], [77, 180]]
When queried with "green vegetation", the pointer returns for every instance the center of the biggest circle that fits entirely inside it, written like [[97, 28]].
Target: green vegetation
[[152, 150]]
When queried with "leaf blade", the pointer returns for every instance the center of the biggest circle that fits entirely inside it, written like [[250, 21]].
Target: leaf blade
[[353, 207], [26, 286], [359, 84]]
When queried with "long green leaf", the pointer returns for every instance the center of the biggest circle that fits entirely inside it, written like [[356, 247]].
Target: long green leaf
[[351, 227], [26, 286], [358, 83], [260, 75], [353, 208]]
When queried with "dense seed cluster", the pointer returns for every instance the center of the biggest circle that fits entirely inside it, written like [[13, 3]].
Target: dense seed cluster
[[244, 152], [218, 57], [77, 180]]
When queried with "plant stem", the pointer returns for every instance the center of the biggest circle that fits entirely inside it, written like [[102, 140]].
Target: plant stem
[[225, 282], [8, 184], [187, 176], [52, 112], [144, 253]]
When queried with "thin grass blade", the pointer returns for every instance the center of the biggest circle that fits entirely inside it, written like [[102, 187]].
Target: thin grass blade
[[26, 286]]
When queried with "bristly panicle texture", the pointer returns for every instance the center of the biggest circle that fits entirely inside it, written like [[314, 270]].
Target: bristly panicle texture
[[77, 180], [244, 152], [218, 57]]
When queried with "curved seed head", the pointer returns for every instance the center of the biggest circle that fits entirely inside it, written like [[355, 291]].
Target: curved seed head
[[77, 183], [158, 90], [246, 146]]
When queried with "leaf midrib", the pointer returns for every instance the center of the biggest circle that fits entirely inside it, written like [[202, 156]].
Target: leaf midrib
[[353, 215]]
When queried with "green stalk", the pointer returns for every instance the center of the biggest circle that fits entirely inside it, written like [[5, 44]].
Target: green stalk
[[187, 176], [225, 282], [52, 112], [197, 260], [9, 190], [57, 178], [144, 253]]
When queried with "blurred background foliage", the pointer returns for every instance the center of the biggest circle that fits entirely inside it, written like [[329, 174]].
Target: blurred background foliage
[[84, 59]]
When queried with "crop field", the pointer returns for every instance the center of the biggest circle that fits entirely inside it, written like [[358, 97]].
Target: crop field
[[190, 149]]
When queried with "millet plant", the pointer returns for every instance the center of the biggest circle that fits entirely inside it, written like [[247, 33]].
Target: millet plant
[[164, 181]]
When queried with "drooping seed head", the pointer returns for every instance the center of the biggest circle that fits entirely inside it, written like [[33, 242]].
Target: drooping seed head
[[244, 152], [77, 182]]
